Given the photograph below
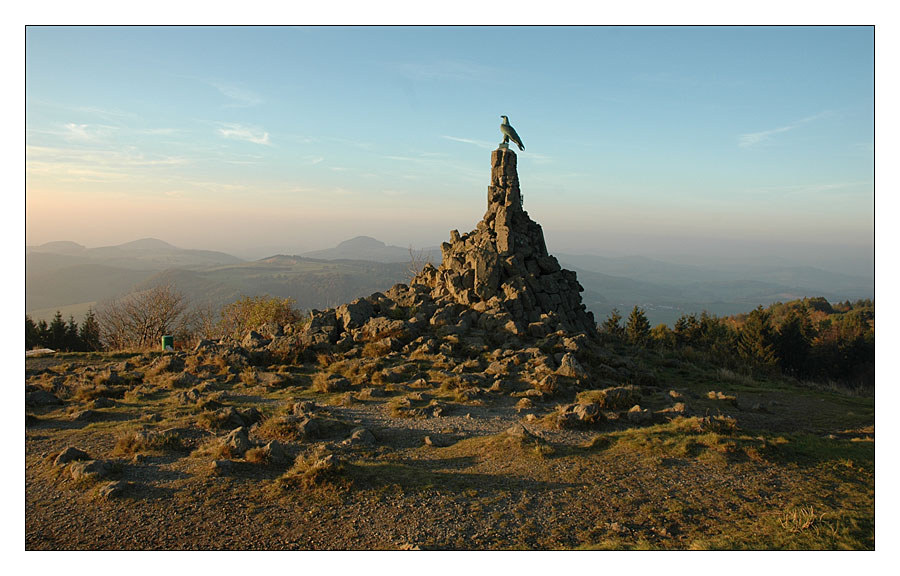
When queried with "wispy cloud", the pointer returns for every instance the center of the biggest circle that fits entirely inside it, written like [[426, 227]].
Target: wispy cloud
[[755, 138], [238, 96], [92, 165], [245, 133], [86, 132], [479, 143]]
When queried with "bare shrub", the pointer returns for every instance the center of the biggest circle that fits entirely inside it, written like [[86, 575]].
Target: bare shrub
[[139, 320], [417, 261]]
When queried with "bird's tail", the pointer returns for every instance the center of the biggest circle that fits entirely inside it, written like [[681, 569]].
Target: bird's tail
[[521, 146]]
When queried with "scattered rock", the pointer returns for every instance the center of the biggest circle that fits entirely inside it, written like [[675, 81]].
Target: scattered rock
[[308, 428], [90, 469], [360, 436], [115, 489], [103, 402], [275, 452], [569, 366], [254, 340], [220, 466], [70, 454], [519, 431], [638, 415], [86, 416], [238, 441]]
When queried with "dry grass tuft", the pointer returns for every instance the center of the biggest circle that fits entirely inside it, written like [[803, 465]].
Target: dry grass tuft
[[142, 441], [315, 470], [799, 519], [258, 455]]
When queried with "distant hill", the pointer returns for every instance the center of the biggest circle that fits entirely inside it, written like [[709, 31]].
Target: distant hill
[[666, 290], [368, 248], [68, 275], [312, 283], [143, 254]]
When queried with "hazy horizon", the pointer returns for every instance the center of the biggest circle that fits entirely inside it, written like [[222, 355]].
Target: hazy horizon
[[703, 143]]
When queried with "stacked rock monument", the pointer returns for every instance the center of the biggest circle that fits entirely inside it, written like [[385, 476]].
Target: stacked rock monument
[[498, 277], [502, 267]]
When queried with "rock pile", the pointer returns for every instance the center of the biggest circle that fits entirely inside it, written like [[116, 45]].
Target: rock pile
[[503, 268], [498, 277]]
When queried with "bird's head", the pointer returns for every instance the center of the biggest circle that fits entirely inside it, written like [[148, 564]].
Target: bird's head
[[505, 119]]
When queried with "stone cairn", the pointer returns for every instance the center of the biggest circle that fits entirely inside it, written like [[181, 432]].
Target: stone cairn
[[502, 267], [498, 278]]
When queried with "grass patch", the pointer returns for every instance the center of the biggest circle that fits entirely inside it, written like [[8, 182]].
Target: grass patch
[[141, 441], [316, 470]]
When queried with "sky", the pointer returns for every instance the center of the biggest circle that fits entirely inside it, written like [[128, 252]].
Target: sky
[[702, 143]]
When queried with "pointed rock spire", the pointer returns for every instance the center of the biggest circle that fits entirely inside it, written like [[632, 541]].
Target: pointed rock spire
[[503, 268]]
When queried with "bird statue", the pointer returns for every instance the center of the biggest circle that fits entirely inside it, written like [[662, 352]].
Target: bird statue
[[509, 133]]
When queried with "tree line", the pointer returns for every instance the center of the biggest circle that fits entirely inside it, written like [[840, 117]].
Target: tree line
[[62, 335], [805, 339], [139, 320]]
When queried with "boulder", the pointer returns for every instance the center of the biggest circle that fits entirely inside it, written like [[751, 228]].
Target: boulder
[[275, 452], [90, 469], [254, 340], [360, 436], [355, 314], [70, 454], [238, 441], [569, 366]]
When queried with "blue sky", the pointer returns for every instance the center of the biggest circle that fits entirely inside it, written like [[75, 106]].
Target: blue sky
[[708, 142]]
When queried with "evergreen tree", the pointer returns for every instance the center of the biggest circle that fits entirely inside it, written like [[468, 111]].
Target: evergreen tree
[[793, 343], [756, 342], [687, 330], [89, 333], [32, 337], [43, 333], [57, 332], [637, 329], [72, 342], [612, 326]]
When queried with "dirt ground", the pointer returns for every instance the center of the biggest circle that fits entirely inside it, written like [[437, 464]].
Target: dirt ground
[[764, 466]]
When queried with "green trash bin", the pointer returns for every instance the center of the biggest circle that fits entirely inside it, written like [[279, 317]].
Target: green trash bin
[[168, 342]]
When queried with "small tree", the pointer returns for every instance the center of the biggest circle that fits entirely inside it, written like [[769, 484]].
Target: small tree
[[140, 319], [687, 330], [417, 261], [612, 326], [43, 332], [637, 329], [32, 337], [756, 342], [57, 332], [89, 333], [73, 342]]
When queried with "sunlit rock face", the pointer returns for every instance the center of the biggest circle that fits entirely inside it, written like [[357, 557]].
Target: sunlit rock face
[[502, 268]]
